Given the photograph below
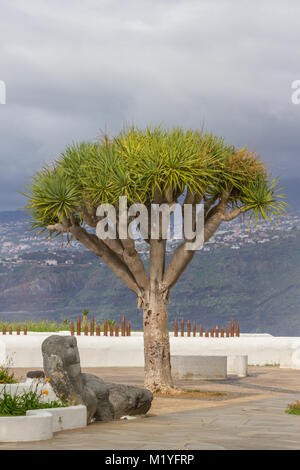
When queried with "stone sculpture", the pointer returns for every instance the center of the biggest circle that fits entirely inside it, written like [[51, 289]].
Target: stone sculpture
[[104, 401]]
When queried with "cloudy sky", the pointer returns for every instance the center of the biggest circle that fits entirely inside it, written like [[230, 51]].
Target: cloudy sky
[[73, 68]]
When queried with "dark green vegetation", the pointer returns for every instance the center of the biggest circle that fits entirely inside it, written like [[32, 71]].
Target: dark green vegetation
[[6, 377], [36, 326], [43, 326], [17, 405], [294, 408], [258, 285]]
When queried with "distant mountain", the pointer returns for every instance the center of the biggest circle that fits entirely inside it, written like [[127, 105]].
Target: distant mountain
[[13, 216], [259, 286]]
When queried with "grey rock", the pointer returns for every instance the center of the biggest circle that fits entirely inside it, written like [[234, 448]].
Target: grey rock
[[104, 401], [128, 400], [35, 374], [104, 410], [62, 365]]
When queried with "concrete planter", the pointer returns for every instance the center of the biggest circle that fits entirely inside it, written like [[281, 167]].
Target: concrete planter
[[71, 417], [26, 428], [30, 384], [39, 425]]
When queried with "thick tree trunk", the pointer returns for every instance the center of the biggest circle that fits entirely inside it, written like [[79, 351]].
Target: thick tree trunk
[[157, 346]]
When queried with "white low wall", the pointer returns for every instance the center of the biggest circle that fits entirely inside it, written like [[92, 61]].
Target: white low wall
[[103, 351], [39, 425], [25, 351]]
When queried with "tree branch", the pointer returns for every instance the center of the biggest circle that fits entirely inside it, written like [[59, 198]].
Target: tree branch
[[62, 227], [208, 203], [113, 261], [182, 257], [125, 249], [215, 216], [233, 214], [179, 261], [135, 264]]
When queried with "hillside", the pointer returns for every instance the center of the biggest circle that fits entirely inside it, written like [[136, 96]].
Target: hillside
[[259, 286]]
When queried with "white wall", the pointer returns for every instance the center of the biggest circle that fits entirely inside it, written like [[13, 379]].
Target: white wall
[[25, 351]]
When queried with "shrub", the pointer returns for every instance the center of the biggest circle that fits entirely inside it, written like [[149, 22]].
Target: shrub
[[17, 405], [6, 377], [37, 326], [294, 408]]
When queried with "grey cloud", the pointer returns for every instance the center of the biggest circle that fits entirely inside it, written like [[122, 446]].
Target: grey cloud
[[73, 68]]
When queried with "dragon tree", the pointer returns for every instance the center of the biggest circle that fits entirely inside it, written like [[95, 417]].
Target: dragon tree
[[150, 166]]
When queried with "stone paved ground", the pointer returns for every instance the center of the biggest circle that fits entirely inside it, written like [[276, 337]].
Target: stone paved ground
[[250, 417]]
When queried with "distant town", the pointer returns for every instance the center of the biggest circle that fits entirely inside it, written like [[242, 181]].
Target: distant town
[[18, 245]]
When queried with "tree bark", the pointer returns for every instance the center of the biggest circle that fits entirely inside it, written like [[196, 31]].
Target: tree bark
[[157, 345]]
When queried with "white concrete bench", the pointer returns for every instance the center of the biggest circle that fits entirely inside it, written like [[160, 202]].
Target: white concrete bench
[[237, 365], [199, 367], [209, 367]]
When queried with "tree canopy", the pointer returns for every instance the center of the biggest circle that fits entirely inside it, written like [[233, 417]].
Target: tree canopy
[[151, 164]]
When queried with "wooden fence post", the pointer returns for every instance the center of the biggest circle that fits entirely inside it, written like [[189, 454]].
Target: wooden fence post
[[71, 328], [206, 334], [117, 329], [194, 329], [212, 332], [98, 330], [128, 329], [227, 331], [201, 330], [182, 327], [232, 328], [86, 330], [25, 330], [175, 327], [10, 330], [217, 331], [188, 327], [237, 329], [111, 329], [105, 327], [123, 327], [78, 326], [92, 326], [4, 330], [222, 332]]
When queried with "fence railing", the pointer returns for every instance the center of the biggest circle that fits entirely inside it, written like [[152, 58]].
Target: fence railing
[[114, 329], [18, 330], [213, 332], [109, 328]]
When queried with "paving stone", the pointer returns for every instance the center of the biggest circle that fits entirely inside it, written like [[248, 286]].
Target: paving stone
[[257, 424]]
